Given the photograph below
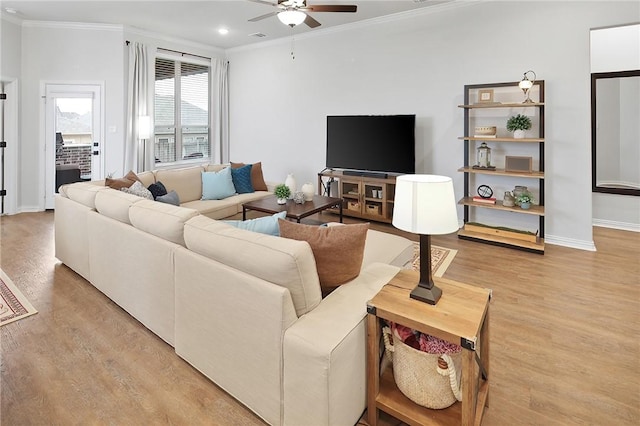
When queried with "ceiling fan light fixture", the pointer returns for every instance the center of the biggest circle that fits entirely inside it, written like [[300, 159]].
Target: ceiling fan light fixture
[[292, 17]]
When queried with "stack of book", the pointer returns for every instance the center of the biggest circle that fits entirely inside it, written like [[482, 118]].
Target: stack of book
[[479, 199]]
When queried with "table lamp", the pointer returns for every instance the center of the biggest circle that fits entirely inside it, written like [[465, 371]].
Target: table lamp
[[425, 205]]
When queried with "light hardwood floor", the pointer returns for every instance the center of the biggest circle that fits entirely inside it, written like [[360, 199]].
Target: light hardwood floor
[[565, 340]]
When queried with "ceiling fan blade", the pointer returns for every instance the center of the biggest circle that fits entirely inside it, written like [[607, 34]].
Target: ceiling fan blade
[[311, 22], [264, 2], [331, 8], [261, 17]]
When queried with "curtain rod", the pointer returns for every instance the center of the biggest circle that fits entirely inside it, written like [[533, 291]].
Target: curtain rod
[[178, 52]]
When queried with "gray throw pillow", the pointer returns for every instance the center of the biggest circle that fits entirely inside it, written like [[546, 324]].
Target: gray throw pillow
[[170, 198]]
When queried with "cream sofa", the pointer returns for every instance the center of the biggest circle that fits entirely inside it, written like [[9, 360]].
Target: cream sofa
[[243, 308]]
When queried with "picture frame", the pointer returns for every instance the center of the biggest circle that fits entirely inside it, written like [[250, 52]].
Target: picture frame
[[485, 96]]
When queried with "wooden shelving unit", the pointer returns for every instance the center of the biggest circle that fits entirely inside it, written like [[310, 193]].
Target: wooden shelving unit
[[364, 197], [537, 176]]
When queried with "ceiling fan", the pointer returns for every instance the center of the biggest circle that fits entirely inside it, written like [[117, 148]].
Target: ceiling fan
[[293, 12]]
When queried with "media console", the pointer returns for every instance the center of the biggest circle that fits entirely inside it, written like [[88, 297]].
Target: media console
[[365, 195]]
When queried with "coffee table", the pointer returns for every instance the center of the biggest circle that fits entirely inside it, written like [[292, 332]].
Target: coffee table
[[294, 211]]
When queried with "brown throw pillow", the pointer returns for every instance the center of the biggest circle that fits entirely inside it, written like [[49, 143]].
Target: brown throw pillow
[[338, 250], [257, 180], [124, 182]]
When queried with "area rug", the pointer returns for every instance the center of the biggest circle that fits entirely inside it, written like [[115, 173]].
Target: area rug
[[441, 258], [13, 304]]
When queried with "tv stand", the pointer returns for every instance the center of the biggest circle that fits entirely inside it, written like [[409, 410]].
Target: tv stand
[[365, 195], [364, 173]]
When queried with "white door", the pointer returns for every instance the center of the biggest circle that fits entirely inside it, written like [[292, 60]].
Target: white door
[[73, 135]]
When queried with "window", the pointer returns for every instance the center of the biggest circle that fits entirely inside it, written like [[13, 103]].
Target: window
[[181, 127]]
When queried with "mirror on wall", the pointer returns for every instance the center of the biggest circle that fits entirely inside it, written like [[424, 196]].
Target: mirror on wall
[[615, 132]]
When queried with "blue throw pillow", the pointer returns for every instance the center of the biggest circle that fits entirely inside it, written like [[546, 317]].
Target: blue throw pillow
[[264, 225], [242, 179], [169, 198], [217, 185]]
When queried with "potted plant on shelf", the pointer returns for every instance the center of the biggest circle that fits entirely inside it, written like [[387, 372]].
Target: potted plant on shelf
[[518, 124], [282, 192], [525, 199]]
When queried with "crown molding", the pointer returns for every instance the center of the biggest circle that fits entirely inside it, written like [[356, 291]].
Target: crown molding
[[72, 25], [452, 5], [10, 18], [169, 39]]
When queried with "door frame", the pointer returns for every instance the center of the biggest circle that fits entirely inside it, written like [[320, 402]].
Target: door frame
[[12, 137], [49, 92]]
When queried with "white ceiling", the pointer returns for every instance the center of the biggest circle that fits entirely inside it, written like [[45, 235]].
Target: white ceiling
[[199, 21]]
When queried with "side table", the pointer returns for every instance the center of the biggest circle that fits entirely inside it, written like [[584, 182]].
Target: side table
[[461, 317]]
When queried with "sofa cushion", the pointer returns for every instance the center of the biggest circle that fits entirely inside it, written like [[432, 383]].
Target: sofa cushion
[[162, 220], [242, 179], [263, 225], [146, 178], [187, 182], [282, 261], [169, 198], [338, 250], [217, 185], [123, 182], [82, 192], [257, 179], [115, 204]]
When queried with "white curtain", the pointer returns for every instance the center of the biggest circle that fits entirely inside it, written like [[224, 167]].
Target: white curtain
[[220, 86], [138, 155]]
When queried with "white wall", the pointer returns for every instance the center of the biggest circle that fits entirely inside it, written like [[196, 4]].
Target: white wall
[[420, 65], [618, 49], [60, 53]]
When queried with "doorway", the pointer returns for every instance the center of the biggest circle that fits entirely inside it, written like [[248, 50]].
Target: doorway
[[73, 135]]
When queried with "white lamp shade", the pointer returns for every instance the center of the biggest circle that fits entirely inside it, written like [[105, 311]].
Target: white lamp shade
[[525, 84], [292, 17], [144, 127], [425, 204]]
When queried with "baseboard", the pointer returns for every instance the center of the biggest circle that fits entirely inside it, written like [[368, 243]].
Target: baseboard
[[624, 226], [570, 242]]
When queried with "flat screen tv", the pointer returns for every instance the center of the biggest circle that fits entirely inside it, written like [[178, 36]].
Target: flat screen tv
[[377, 143]]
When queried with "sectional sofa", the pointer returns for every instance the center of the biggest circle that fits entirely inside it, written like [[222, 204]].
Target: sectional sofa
[[243, 308]]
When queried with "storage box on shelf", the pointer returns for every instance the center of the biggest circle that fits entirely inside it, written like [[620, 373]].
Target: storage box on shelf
[[478, 114], [365, 197]]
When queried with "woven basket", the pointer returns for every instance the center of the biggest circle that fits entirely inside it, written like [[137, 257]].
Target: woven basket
[[417, 376]]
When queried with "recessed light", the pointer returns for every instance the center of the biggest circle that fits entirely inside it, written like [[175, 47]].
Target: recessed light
[[223, 31], [11, 10]]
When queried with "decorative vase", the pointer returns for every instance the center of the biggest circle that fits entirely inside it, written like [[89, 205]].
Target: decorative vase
[[518, 134], [525, 206], [508, 200], [308, 191], [519, 190], [298, 197], [290, 181], [281, 201]]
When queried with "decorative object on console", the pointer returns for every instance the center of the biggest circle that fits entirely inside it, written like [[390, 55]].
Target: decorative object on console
[[308, 191], [425, 204], [485, 96], [298, 197], [526, 85], [290, 181], [525, 199], [282, 192], [484, 191], [483, 157], [518, 124], [517, 191]]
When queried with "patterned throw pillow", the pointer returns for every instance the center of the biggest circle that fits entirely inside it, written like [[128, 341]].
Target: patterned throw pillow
[[257, 179], [138, 189], [338, 250], [242, 179], [157, 189]]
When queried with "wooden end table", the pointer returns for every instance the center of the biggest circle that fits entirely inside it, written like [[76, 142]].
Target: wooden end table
[[294, 211], [461, 317]]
